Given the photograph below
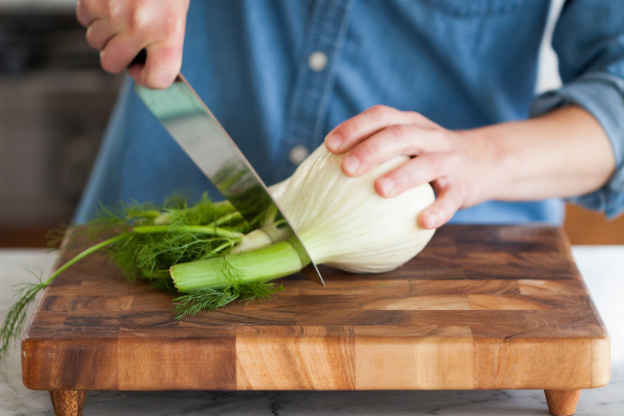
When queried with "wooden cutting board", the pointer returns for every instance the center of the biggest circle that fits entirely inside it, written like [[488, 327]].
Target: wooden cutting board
[[482, 307]]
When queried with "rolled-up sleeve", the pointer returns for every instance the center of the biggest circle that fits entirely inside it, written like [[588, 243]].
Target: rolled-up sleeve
[[589, 42]]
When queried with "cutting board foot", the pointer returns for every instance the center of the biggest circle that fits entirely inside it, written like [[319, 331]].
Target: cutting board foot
[[68, 402], [562, 402]]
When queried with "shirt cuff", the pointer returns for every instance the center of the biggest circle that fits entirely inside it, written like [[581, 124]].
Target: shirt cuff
[[602, 95]]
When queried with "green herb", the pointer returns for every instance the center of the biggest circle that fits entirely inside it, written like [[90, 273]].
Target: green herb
[[16, 317], [145, 241]]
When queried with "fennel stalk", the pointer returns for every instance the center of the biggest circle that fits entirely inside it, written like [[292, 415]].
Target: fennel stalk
[[146, 241]]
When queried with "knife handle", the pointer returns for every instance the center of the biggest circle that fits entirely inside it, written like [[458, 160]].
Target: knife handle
[[140, 58]]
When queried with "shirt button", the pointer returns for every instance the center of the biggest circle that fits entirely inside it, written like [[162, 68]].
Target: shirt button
[[317, 61], [298, 154]]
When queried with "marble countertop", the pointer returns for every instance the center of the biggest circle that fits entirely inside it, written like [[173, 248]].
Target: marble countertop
[[601, 266]]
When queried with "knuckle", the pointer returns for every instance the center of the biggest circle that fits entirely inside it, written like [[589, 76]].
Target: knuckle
[[416, 116], [436, 163], [368, 150], [340, 131], [115, 9], [399, 131], [441, 136], [92, 38], [457, 160], [171, 25], [138, 19], [422, 120], [404, 177], [83, 12], [380, 110], [108, 63], [80, 13], [92, 43], [84, 5], [347, 130], [454, 162], [92, 4]]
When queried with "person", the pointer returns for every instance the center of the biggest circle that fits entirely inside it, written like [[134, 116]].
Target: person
[[451, 83]]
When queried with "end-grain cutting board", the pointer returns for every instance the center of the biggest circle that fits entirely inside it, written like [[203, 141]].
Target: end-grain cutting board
[[482, 307]]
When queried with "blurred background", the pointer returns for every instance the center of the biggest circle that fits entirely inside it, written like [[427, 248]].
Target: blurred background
[[54, 104]]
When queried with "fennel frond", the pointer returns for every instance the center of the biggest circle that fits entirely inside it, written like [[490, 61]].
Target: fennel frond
[[15, 319]]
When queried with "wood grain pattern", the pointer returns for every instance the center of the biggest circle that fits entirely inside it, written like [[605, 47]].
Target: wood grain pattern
[[482, 307], [68, 403], [562, 402]]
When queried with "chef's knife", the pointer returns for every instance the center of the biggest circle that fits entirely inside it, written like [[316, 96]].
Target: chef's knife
[[206, 142]]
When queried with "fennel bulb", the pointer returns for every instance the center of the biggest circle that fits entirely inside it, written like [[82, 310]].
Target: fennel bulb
[[341, 220]]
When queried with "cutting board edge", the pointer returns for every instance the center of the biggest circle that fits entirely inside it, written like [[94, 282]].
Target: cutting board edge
[[594, 371]]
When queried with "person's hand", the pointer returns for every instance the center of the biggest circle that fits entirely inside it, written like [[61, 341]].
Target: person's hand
[[121, 29], [453, 162]]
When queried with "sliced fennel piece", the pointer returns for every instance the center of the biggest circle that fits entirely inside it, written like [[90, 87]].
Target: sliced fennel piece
[[341, 220]]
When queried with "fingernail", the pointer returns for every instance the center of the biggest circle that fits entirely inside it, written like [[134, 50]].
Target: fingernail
[[386, 185], [351, 164], [334, 141]]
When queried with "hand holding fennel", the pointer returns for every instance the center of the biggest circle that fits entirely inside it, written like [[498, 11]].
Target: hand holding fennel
[[210, 256], [560, 154]]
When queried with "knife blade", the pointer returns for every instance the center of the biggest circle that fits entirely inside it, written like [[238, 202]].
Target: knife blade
[[193, 126]]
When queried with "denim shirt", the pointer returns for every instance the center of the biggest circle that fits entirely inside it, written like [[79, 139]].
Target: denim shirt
[[280, 74]]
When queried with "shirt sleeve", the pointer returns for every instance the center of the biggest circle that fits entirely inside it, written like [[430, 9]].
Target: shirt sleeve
[[589, 42]]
